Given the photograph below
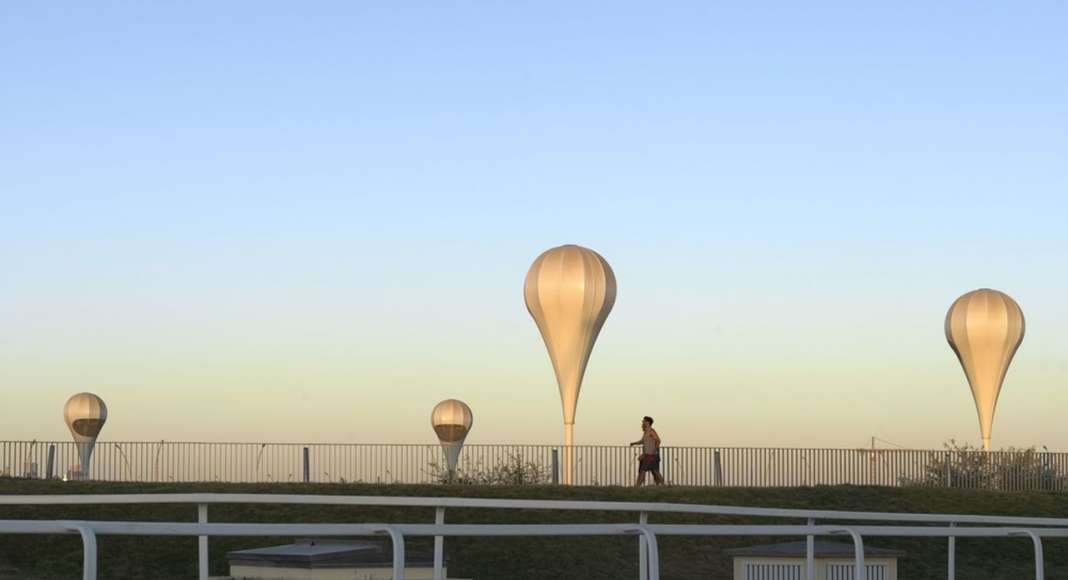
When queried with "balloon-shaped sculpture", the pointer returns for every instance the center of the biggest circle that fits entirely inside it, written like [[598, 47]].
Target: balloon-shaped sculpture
[[85, 414], [985, 327], [452, 421], [569, 291]]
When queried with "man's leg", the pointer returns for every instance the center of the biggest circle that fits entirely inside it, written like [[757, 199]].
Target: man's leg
[[641, 479], [658, 478]]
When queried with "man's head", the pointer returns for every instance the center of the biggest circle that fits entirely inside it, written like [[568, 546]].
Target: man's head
[[647, 422]]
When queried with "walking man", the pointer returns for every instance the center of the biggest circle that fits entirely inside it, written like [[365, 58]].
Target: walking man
[[650, 459]]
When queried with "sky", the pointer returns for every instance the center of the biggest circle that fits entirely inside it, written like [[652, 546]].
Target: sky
[[310, 222]]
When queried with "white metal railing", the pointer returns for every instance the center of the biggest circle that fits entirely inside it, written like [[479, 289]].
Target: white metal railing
[[929, 525]]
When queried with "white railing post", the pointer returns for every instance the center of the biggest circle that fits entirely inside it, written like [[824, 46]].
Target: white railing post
[[951, 565], [88, 550], [202, 541], [858, 552], [643, 562], [810, 553], [439, 545], [1040, 564], [654, 552], [397, 540]]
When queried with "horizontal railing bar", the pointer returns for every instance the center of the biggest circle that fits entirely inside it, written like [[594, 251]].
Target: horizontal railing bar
[[35, 527], [109, 528], [944, 532], [882, 531], [579, 529], [545, 445], [484, 503], [106, 528]]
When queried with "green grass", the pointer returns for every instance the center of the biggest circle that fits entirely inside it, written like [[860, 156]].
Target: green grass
[[522, 558]]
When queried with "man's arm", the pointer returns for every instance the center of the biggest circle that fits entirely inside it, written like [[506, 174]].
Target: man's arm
[[656, 438]]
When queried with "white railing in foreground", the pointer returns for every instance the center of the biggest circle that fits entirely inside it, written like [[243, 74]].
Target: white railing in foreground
[[938, 525]]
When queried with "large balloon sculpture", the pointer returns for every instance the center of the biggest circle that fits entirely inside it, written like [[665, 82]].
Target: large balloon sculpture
[[85, 415], [451, 420], [985, 327], [569, 291]]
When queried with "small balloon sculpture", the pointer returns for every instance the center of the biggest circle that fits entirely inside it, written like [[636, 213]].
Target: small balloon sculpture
[[85, 415], [451, 420]]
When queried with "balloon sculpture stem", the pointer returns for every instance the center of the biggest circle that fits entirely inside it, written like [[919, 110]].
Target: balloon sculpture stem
[[569, 464], [986, 444]]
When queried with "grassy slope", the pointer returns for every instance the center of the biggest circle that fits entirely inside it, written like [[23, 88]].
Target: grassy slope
[[522, 558]]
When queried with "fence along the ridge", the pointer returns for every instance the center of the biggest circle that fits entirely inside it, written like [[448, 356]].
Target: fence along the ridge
[[166, 461]]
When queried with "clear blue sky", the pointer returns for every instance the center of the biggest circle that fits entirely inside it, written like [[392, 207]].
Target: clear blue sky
[[323, 212]]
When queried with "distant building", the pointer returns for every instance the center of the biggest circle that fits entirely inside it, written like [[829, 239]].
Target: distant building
[[834, 561]]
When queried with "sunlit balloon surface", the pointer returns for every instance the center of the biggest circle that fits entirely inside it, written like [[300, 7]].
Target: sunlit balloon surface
[[452, 420], [569, 291], [85, 415], [985, 328]]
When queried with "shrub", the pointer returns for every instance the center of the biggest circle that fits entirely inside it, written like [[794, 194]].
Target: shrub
[[965, 466], [515, 470]]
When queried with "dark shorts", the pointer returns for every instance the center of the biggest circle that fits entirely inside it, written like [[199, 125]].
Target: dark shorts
[[649, 462]]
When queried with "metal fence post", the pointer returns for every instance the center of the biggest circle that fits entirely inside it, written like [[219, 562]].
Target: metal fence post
[[439, 546], [50, 468], [949, 470], [202, 517], [717, 469], [663, 464], [556, 466], [307, 466]]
